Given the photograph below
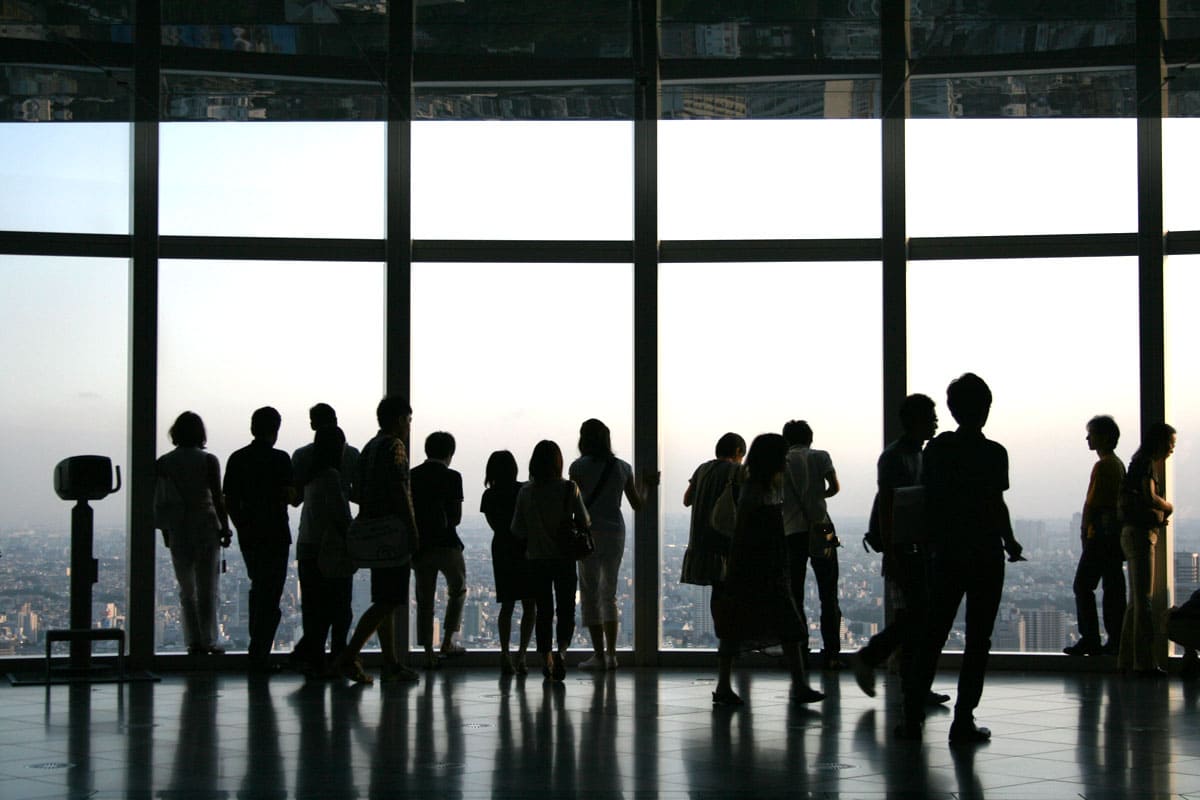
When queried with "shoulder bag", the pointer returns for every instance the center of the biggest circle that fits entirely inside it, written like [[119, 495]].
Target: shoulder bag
[[378, 541], [573, 538], [723, 517]]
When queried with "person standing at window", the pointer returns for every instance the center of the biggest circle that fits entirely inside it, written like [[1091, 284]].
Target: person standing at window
[[509, 567], [437, 493], [1100, 536], [258, 488], [602, 479], [811, 479], [542, 505], [196, 541]]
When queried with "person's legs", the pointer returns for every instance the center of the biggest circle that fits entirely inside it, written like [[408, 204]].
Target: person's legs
[[184, 562], [504, 624], [454, 567], [1113, 577], [590, 570], [529, 609], [946, 589], [984, 587], [1137, 630], [425, 574], [614, 552], [1087, 578], [565, 584], [541, 580], [797, 550], [208, 566], [266, 590], [340, 595], [826, 572], [314, 613]]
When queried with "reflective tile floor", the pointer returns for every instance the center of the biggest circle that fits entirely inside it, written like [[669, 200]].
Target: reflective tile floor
[[634, 733]]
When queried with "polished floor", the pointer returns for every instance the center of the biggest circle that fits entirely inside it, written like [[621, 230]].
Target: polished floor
[[634, 733]]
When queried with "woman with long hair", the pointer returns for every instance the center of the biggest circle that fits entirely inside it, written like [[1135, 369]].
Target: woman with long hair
[[542, 505], [756, 609], [511, 570]]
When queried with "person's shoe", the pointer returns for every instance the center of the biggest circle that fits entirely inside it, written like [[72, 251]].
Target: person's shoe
[[907, 732], [519, 665], [453, 651], [593, 662], [806, 694], [352, 670], [864, 674], [936, 698], [727, 697], [547, 671], [559, 667], [399, 673], [610, 661], [506, 664], [432, 661], [1083, 648], [965, 731]]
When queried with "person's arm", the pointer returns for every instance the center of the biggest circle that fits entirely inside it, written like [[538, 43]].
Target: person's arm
[[580, 510], [689, 495], [517, 525], [832, 486], [1157, 501], [454, 506], [214, 486], [1087, 523]]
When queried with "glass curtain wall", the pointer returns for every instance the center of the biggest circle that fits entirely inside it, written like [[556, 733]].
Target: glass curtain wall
[[515, 212]]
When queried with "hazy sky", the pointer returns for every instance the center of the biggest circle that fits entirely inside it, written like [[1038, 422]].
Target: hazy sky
[[506, 354]]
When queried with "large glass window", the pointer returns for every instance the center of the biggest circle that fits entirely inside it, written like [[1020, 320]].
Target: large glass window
[[1181, 172], [1005, 177], [294, 179], [1057, 343], [235, 336], [526, 352], [1183, 411], [64, 346], [65, 178], [522, 180], [768, 179], [745, 348]]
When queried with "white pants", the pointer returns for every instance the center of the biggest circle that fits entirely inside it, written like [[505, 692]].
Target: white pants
[[196, 569], [598, 579]]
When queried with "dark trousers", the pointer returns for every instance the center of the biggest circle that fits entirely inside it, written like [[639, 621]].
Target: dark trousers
[[266, 566], [979, 578], [325, 608], [554, 583], [826, 572], [909, 573], [1100, 562]]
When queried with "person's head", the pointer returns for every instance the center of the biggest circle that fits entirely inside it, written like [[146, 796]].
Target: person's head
[[328, 445], [1103, 433], [321, 415], [918, 416], [767, 458], [439, 446], [969, 400], [188, 431], [595, 439], [546, 463], [1158, 442], [501, 469], [732, 447], [264, 424], [393, 415], [797, 433]]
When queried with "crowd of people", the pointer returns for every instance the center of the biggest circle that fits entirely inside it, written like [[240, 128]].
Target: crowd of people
[[759, 520]]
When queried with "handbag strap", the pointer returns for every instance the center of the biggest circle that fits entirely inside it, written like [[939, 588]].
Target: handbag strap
[[608, 468]]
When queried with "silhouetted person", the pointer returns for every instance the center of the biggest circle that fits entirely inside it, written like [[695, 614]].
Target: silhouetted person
[[965, 476], [603, 479], [758, 608], [810, 479], [1183, 628], [320, 416], [1143, 512], [905, 560], [196, 543], [258, 488], [706, 560], [509, 567], [325, 589], [381, 489], [542, 504], [437, 493], [1100, 535]]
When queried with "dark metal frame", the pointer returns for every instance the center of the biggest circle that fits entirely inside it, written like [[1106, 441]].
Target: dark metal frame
[[403, 72]]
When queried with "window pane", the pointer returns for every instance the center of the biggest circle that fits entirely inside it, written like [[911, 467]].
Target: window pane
[[65, 94], [522, 180], [329, 27], [1183, 411], [1056, 340], [65, 178], [769, 179], [580, 29], [296, 179], [1181, 171], [55, 20], [852, 98], [65, 345], [733, 358], [591, 100], [1000, 26], [235, 336], [549, 345], [238, 98], [783, 30], [1010, 177], [1107, 93]]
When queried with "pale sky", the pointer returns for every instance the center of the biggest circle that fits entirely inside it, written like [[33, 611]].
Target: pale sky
[[506, 354]]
